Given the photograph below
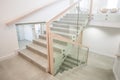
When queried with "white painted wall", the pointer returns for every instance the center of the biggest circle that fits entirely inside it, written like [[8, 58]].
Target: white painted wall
[[104, 41], [8, 39], [47, 13], [98, 4], [10, 9]]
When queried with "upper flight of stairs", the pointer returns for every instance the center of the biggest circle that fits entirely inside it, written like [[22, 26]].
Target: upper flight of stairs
[[36, 52]]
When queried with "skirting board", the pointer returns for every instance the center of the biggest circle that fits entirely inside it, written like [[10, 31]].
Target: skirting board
[[116, 76], [111, 56], [116, 68], [10, 55]]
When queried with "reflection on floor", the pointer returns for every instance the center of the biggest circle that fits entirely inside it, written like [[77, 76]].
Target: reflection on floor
[[23, 43]]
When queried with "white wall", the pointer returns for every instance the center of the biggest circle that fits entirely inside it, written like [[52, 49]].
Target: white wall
[[104, 41], [98, 4], [47, 13], [8, 39], [10, 9]]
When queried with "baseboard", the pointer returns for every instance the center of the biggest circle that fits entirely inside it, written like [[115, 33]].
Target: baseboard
[[10, 55], [116, 77], [111, 56]]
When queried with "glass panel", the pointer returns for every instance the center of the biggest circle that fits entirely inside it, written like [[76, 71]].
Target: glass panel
[[68, 56], [28, 33], [71, 23]]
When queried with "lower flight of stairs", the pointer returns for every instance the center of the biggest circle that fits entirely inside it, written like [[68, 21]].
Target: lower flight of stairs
[[36, 53], [70, 63], [85, 73]]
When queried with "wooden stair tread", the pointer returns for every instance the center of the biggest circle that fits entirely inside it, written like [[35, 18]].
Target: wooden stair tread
[[38, 48], [37, 59], [41, 40]]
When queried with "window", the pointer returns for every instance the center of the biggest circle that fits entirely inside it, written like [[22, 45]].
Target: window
[[112, 4]]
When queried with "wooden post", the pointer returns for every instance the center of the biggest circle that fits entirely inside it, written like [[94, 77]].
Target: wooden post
[[91, 7], [50, 50], [81, 37]]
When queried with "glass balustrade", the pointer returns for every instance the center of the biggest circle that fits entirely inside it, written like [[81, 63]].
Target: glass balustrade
[[66, 50], [68, 55], [70, 24], [29, 32]]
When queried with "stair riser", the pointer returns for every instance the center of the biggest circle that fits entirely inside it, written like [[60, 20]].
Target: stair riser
[[67, 65], [71, 22], [73, 19], [42, 37], [56, 24], [63, 30], [76, 15], [65, 26], [36, 51], [64, 69], [73, 59], [69, 37], [59, 50], [33, 62], [60, 42], [40, 43], [72, 62]]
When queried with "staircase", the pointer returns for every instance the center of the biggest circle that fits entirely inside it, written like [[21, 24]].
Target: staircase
[[36, 52]]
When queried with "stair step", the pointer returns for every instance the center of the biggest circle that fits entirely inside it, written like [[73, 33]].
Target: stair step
[[73, 19], [60, 29], [69, 23], [72, 22], [58, 46], [34, 58], [40, 42], [56, 41], [65, 26], [76, 15], [72, 61], [68, 64], [38, 49], [63, 34], [60, 42], [63, 68], [42, 37]]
